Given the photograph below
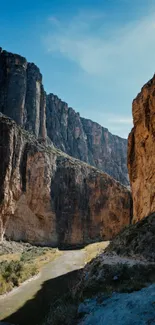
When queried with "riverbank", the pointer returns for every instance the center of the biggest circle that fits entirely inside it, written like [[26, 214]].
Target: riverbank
[[29, 304], [68, 294], [20, 262], [14, 290], [104, 277]]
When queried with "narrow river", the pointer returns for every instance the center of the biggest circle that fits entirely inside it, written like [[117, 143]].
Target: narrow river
[[30, 303]]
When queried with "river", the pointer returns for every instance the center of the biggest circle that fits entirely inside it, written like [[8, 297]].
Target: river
[[28, 304]]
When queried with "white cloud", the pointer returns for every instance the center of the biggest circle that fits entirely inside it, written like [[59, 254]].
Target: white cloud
[[105, 50], [125, 120], [54, 21], [114, 59], [116, 124]]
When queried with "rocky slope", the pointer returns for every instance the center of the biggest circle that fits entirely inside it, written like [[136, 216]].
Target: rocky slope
[[106, 291], [49, 198], [22, 97], [137, 240], [121, 308], [141, 152]]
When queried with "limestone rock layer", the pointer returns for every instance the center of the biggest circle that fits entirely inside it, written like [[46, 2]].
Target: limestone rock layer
[[86, 140], [49, 198]]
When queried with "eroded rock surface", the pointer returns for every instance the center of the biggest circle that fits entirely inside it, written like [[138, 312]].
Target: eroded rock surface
[[86, 140], [141, 152], [22, 97], [137, 240], [49, 198]]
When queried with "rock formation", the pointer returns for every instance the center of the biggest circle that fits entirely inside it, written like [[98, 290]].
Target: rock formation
[[137, 240], [49, 198], [22, 97], [141, 152], [86, 140]]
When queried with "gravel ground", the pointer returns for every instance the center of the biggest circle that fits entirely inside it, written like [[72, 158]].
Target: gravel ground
[[11, 247]]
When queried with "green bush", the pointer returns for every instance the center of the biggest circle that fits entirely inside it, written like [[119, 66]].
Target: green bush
[[13, 273], [4, 286], [32, 253]]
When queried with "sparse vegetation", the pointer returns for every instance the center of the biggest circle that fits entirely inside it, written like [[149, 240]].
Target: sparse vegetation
[[22, 263], [32, 253], [136, 240], [99, 280], [105, 278], [95, 249], [13, 273]]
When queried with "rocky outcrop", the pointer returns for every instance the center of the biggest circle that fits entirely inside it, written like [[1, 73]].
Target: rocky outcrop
[[22, 97], [49, 198], [141, 152], [137, 240], [86, 140]]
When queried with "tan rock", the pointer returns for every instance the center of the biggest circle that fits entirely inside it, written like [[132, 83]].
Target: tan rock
[[49, 198], [141, 152]]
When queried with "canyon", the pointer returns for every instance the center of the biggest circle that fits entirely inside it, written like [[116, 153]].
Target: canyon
[[23, 98], [48, 197], [52, 194]]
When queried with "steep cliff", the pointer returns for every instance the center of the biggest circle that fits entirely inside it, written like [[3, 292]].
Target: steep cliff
[[47, 197], [86, 140], [141, 152], [22, 97]]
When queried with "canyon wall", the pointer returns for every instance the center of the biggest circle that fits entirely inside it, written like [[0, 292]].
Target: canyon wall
[[141, 152], [22, 97], [49, 198], [86, 140]]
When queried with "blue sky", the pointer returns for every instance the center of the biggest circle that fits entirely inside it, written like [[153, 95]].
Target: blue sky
[[94, 54]]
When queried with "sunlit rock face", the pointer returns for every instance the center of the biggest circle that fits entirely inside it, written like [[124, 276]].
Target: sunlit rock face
[[49, 198], [22, 97], [141, 152]]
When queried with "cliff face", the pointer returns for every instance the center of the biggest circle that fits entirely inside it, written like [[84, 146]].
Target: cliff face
[[86, 140], [49, 198], [22, 97], [141, 152]]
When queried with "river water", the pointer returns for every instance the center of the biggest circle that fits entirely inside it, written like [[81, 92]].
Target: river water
[[30, 303]]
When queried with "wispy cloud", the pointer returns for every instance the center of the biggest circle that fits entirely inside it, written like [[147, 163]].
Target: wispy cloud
[[116, 124], [125, 120], [119, 124], [106, 49], [115, 58], [54, 21]]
